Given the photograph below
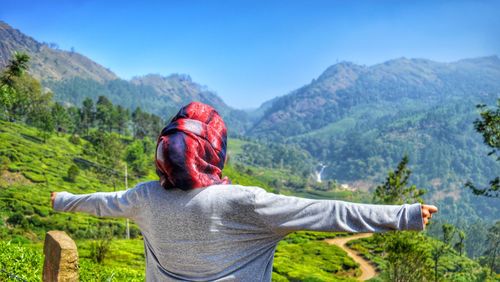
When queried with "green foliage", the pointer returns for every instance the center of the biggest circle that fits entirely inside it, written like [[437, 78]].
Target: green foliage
[[100, 247], [274, 155], [138, 158], [407, 258], [18, 262], [60, 117], [146, 124], [493, 248], [18, 219], [489, 127], [304, 256], [105, 147], [15, 68], [152, 98], [75, 139], [23, 262], [4, 163], [87, 114], [90, 271], [73, 172], [33, 161], [395, 190], [418, 249]]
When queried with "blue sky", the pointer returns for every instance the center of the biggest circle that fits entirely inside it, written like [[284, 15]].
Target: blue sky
[[251, 51]]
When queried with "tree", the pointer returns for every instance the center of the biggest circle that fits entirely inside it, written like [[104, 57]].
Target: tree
[[489, 126], [395, 190], [441, 248], [139, 119], [60, 116], [104, 113], [460, 245], [105, 147], [406, 257], [121, 118], [13, 71], [87, 114], [15, 68], [136, 158], [493, 250], [41, 117], [22, 96]]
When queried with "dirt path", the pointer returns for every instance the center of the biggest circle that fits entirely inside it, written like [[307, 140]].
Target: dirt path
[[367, 269]]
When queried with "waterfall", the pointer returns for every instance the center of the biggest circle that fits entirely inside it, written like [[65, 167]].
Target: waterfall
[[317, 174]]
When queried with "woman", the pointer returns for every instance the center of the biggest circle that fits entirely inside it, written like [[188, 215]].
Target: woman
[[197, 226]]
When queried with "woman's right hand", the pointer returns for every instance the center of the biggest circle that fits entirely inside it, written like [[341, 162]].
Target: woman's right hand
[[52, 198]]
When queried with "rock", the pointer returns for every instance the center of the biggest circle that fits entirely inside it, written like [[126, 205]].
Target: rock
[[61, 257]]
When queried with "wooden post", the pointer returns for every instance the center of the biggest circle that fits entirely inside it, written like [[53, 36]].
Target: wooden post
[[127, 236], [61, 257]]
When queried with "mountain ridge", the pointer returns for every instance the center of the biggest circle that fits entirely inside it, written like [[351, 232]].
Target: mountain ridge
[[73, 77], [346, 84], [47, 62]]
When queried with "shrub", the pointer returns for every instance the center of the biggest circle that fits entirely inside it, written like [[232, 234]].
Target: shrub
[[11, 154], [28, 209], [75, 139], [4, 163], [36, 221], [73, 172], [16, 218], [99, 248], [41, 211]]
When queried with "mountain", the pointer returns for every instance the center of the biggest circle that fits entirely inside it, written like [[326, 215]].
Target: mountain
[[73, 77], [179, 88], [345, 85], [359, 121], [49, 63]]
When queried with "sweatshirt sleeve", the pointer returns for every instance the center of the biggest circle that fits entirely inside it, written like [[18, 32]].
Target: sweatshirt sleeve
[[108, 204], [284, 214]]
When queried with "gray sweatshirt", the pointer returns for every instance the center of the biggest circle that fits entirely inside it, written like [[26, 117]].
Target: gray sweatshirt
[[228, 232]]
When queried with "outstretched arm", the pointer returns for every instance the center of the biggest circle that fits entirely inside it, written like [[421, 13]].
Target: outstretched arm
[[284, 214], [114, 204]]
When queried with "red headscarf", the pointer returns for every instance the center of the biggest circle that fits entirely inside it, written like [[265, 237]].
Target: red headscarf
[[191, 150]]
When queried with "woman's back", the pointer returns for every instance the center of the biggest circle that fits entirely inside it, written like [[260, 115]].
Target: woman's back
[[204, 234]]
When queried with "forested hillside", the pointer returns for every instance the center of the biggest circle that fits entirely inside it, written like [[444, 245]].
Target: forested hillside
[[359, 121]]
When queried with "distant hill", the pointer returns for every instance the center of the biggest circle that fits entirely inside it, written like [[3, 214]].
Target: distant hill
[[49, 63], [73, 77], [360, 121], [346, 85]]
